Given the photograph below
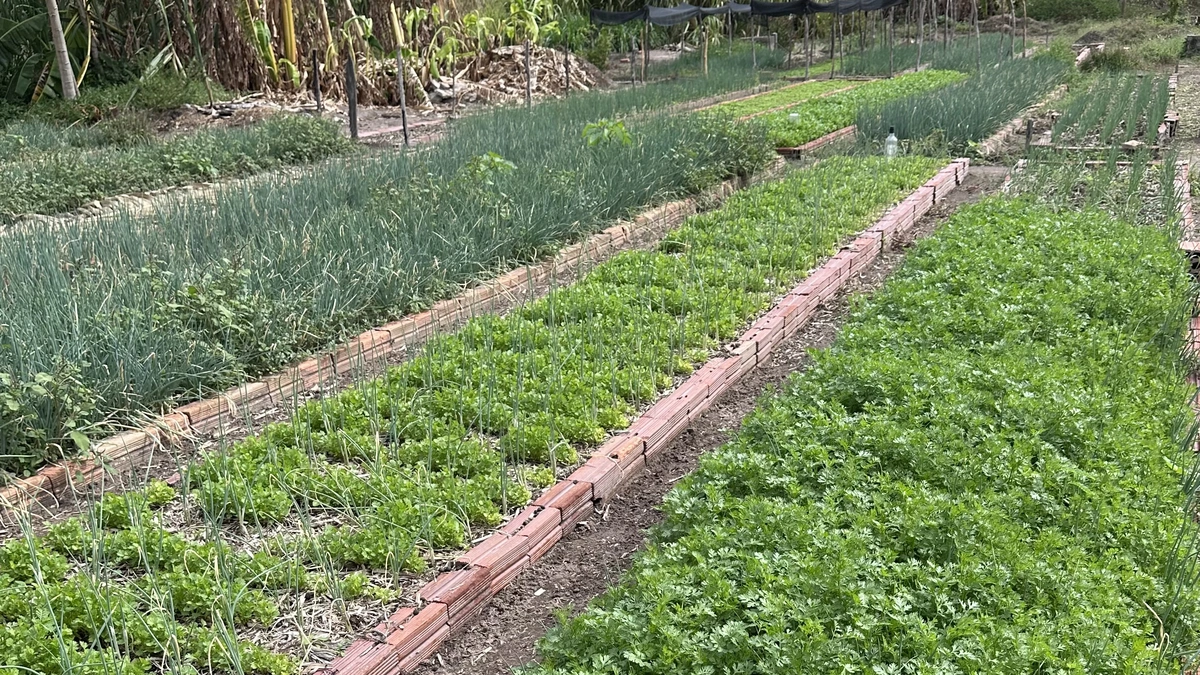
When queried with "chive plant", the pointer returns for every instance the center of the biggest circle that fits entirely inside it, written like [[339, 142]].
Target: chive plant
[[950, 118]]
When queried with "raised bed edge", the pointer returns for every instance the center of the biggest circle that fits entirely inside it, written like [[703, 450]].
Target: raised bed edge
[[625, 453]]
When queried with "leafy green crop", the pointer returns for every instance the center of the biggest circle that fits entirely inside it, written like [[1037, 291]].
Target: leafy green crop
[[785, 96], [986, 473], [821, 116], [427, 457]]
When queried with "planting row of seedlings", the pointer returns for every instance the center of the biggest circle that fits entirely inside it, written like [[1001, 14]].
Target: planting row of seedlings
[[990, 471], [278, 549], [120, 315], [45, 170], [1115, 109], [1134, 188], [817, 117], [783, 97], [951, 118]]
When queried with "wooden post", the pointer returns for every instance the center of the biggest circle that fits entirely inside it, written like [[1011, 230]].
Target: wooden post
[[731, 33], [403, 94], [528, 77], [316, 82], [633, 60], [832, 47], [567, 67], [704, 45], [645, 49], [352, 97], [978, 37], [1024, 26], [920, 32], [1012, 43], [1028, 135], [807, 49], [892, 41]]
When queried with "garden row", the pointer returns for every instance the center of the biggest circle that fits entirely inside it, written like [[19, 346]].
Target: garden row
[[783, 97], [951, 118], [341, 506], [989, 471], [812, 119], [1113, 110], [48, 170], [118, 315]]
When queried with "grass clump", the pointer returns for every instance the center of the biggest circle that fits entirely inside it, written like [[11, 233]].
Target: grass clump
[[62, 177], [987, 472]]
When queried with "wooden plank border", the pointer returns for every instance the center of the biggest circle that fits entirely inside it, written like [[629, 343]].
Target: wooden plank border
[[452, 600]]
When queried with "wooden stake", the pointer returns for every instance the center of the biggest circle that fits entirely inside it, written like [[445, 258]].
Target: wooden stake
[[892, 42], [807, 49], [645, 48], [704, 46]]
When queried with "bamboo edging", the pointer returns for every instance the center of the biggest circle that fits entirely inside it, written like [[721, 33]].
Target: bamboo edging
[[128, 451], [453, 600]]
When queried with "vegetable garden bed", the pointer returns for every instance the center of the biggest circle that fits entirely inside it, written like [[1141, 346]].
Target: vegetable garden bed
[[1126, 111], [784, 97], [822, 116], [134, 452], [115, 318], [66, 172], [340, 508], [959, 484]]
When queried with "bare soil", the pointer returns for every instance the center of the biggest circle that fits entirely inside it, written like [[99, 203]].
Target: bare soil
[[586, 563]]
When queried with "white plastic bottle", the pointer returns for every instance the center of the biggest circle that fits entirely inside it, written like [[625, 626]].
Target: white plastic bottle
[[891, 147]]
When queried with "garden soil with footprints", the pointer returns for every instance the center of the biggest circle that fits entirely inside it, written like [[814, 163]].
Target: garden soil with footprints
[[594, 558]]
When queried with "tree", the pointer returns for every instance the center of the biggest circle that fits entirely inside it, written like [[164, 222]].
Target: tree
[[65, 74]]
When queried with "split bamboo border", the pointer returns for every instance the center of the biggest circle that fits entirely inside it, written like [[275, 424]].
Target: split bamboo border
[[453, 600]]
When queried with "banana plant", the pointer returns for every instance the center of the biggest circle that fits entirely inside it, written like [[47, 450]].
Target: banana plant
[[529, 19]]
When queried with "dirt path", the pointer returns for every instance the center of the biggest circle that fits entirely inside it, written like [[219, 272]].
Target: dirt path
[[1187, 104], [601, 549]]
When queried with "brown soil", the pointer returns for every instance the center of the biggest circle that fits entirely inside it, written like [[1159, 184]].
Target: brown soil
[[602, 548]]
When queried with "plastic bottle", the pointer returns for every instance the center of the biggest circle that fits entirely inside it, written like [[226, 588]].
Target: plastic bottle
[[891, 147]]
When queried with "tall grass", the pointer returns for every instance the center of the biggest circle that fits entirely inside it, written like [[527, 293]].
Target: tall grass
[[954, 116]]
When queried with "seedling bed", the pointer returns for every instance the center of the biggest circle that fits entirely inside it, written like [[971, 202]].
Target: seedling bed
[[1131, 112]]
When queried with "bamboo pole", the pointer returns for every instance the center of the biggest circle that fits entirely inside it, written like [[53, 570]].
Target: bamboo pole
[[920, 32], [978, 37], [645, 48], [704, 46], [287, 28], [807, 49]]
